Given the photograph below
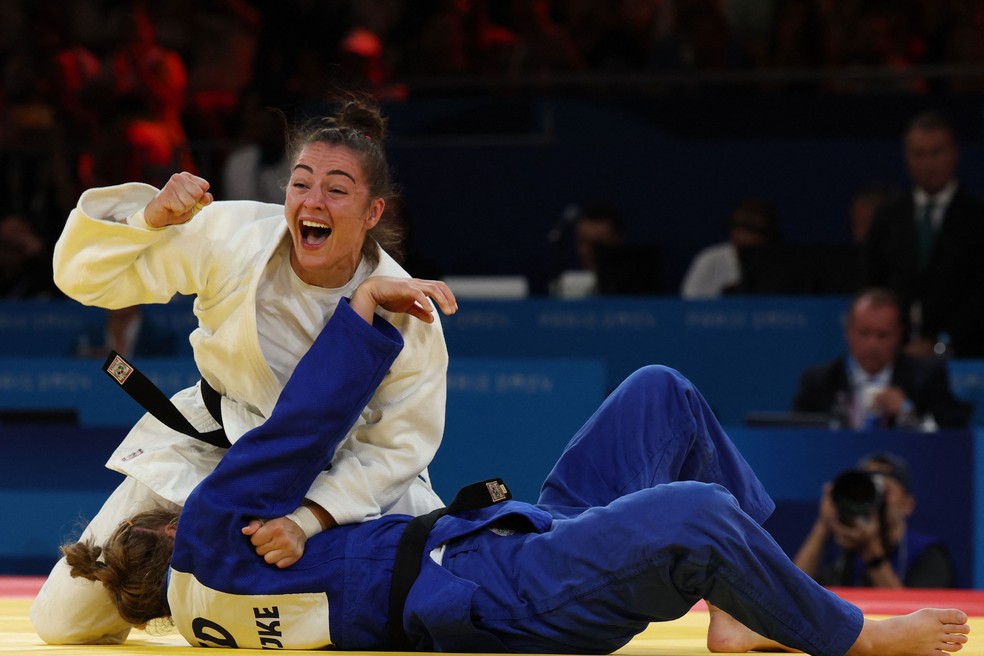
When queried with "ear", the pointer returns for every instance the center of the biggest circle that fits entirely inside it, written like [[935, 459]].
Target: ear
[[909, 505], [376, 208]]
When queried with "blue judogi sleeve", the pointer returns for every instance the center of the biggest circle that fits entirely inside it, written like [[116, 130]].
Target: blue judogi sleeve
[[267, 472]]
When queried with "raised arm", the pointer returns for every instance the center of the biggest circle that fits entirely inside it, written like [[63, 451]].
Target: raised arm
[[281, 541]]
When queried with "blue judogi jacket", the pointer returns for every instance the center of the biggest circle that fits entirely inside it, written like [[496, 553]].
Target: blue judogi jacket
[[222, 594]]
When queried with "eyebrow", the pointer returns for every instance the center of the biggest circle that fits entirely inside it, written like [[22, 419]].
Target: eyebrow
[[331, 172]]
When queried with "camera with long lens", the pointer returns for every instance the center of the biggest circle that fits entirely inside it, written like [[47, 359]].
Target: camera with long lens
[[857, 494]]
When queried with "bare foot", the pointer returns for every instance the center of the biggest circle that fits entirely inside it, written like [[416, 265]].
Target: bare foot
[[925, 632], [726, 635]]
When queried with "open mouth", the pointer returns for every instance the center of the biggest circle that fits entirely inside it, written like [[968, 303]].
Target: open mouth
[[314, 233]]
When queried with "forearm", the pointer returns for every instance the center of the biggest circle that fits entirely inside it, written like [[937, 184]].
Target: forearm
[[100, 260], [365, 481], [880, 572], [810, 553], [877, 564], [383, 456], [316, 409]]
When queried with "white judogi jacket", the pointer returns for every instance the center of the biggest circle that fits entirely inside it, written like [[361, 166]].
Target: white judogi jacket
[[219, 257]]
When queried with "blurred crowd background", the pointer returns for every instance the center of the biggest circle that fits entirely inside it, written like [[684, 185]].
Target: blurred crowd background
[[96, 92]]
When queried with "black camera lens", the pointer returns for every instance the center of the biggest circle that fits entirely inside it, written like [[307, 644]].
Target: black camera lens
[[855, 494]]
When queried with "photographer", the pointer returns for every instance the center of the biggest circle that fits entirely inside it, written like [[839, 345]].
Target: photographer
[[862, 538]]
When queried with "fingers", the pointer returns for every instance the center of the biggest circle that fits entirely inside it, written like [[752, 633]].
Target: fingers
[[279, 541], [281, 558], [420, 309], [442, 295], [281, 561], [890, 400], [280, 555], [436, 290], [183, 196], [253, 526], [187, 191], [403, 295]]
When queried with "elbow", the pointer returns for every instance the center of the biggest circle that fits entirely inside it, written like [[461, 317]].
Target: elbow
[[69, 278], [65, 281]]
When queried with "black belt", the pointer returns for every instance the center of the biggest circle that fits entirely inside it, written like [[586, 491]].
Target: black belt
[[410, 550], [142, 390]]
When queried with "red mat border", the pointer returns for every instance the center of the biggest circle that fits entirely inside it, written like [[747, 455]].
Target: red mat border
[[20, 586]]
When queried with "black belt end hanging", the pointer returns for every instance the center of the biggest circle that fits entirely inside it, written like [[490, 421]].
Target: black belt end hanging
[[143, 390]]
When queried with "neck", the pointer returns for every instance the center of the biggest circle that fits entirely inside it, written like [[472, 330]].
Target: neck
[[332, 278]]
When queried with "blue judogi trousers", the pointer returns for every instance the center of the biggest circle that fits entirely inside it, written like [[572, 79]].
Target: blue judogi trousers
[[654, 510]]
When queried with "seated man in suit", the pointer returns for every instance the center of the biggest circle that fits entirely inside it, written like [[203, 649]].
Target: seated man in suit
[[876, 384]]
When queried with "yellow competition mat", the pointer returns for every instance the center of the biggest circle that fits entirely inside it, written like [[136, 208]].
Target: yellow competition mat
[[683, 637]]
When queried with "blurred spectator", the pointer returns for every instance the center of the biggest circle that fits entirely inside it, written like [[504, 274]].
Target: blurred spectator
[[150, 81], [595, 226], [66, 67], [880, 37], [875, 385], [132, 144], [865, 204], [361, 60], [756, 26], [25, 261], [257, 169], [35, 171], [702, 41], [862, 537], [796, 45], [614, 36], [449, 37], [222, 42], [926, 246], [128, 332], [297, 39], [366, 54], [716, 270], [797, 35], [541, 46], [176, 73], [961, 44]]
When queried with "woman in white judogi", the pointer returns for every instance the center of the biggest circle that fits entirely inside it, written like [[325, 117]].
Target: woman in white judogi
[[264, 288]]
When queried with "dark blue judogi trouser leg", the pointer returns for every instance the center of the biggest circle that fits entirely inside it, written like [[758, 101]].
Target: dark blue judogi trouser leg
[[654, 428], [655, 510]]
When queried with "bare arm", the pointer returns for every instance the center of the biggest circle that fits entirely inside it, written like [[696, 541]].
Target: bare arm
[[811, 551]]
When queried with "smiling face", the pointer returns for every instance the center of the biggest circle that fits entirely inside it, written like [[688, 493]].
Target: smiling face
[[329, 209]]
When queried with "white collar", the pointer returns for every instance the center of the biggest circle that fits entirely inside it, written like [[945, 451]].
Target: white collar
[[861, 377], [940, 199]]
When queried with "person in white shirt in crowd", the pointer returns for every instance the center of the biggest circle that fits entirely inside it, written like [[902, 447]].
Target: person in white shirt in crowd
[[716, 270]]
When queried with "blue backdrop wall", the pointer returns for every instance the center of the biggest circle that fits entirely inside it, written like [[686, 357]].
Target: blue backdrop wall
[[523, 377]]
